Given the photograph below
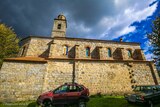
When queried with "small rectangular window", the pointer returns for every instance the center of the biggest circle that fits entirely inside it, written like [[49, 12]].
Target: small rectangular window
[[109, 52], [65, 50], [129, 53], [59, 26], [87, 52]]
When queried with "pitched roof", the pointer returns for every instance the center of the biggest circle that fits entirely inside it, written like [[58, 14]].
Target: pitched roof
[[83, 39], [96, 40]]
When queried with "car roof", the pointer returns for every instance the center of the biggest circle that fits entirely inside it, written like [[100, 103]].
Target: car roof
[[146, 85], [71, 83]]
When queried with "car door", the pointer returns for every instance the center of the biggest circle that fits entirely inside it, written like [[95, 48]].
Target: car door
[[59, 96], [73, 94], [156, 94]]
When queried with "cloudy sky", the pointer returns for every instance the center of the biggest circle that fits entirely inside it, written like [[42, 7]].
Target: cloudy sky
[[95, 19]]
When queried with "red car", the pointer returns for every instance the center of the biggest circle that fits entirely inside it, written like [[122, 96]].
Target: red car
[[66, 94]]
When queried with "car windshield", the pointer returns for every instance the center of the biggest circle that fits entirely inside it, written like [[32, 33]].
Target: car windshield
[[146, 88], [61, 89], [137, 88], [143, 88]]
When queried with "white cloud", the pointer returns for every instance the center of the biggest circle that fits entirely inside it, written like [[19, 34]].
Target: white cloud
[[127, 30], [79, 29], [145, 37], [147, 46], [119, 24], [139, 15], [149, 56], [108, 19]]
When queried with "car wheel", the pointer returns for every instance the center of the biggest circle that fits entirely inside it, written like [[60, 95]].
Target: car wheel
[[129, 102], [82, 103], [150, 103], [47, 103], [39, 106]]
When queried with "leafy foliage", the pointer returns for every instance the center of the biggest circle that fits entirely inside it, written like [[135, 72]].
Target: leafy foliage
[[154, 38], [8, 43]]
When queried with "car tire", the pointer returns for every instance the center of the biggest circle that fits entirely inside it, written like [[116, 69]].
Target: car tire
[[129, 102], [38, 106], [81, 103], [47, 103], [150, 103]]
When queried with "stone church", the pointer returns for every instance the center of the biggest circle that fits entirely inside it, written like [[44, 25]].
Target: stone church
[[103, 66]]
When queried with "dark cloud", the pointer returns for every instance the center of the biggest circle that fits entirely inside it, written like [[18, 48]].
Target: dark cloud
[[89, 11], [28, 17], [35, 17]]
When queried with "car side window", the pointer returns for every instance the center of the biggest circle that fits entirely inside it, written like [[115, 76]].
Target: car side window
[[154, 88], [158, 88], [72, 88], [146, 88], [61, 89]]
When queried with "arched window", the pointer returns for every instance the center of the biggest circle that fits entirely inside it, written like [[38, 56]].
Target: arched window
[[87, 51], [59, 26], [109, 52], [129, 53], [65, 50]]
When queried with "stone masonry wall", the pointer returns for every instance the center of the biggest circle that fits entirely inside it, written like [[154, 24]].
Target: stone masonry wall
[[113, 78], [39, 47], [43, 47], [58, 72], [57, 48], [21, 81], [105, 77]]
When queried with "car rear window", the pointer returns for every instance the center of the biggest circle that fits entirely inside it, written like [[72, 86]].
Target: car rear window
[[80, 88]]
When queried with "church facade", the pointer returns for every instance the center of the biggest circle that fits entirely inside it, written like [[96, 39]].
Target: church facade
[[103, 66]]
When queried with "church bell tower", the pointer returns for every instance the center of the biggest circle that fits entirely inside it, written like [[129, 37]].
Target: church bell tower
[[59, 27]]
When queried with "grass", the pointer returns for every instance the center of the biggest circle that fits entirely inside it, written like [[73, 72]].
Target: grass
[[109, 101], [95, 101], [19, 104]]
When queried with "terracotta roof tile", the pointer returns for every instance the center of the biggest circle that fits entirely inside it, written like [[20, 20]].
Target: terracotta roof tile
[[29, 59]]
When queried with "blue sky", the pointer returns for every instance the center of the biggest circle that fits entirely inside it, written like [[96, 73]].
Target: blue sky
[[142, 28], [103, 19]]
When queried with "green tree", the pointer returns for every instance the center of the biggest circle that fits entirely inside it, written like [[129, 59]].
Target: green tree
[[9, 46], [154, 38]]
